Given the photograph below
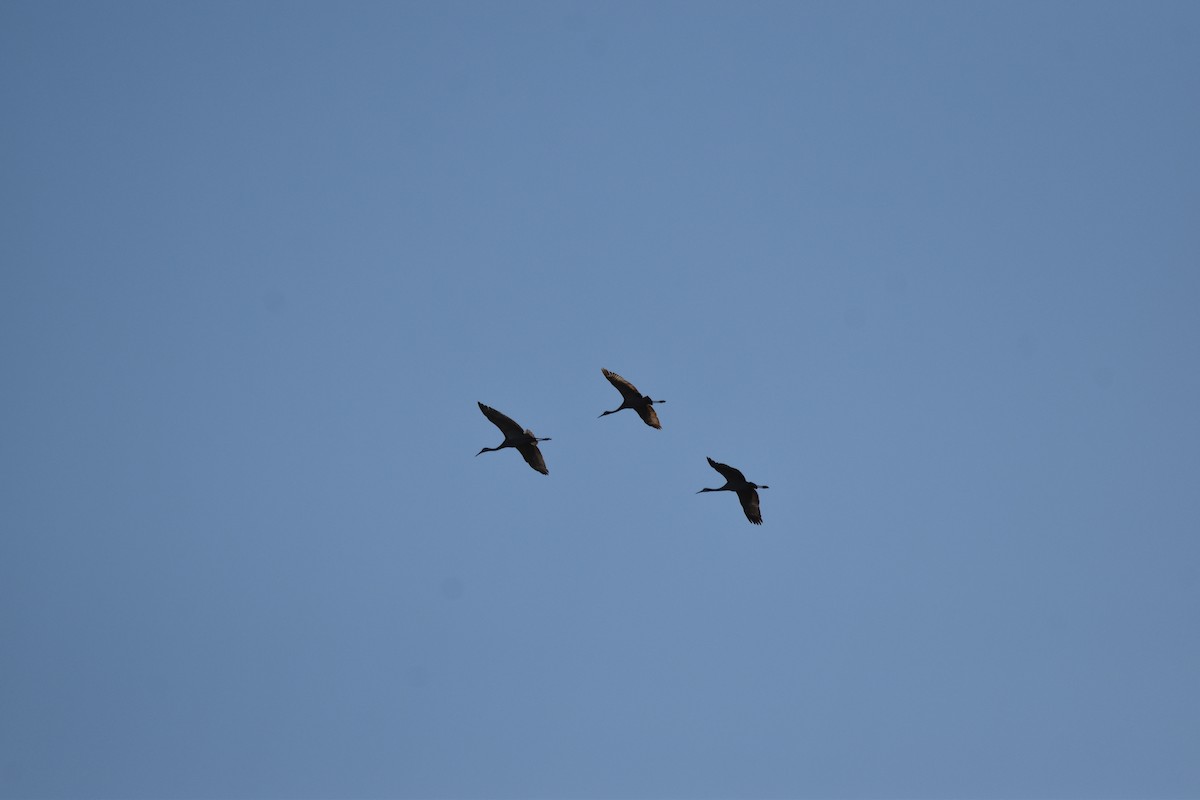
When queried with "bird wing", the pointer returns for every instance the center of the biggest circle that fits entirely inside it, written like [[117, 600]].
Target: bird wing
[[732, 475], [649, 416], [506, 425], [749, 499], [627, 389], [533, 457]]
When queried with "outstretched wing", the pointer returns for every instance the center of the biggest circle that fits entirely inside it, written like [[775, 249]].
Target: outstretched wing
[[627, 389], [749, 499], [732, 475], [506, 425], [648, 416], [533, 457]]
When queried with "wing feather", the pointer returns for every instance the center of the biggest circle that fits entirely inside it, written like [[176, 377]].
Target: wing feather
[[649, 416], [732, 475], [749, 499], [627, 389], [507, 426], [533, 457]]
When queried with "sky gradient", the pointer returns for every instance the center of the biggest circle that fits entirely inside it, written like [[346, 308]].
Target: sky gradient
[[929, 270]]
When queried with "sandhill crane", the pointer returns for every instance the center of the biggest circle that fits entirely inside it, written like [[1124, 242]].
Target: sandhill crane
[[735, 481], [632, 398], [523, 440]]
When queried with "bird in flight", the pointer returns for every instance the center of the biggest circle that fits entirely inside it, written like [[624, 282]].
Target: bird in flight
[[523, 440], [735, 481], [632, 398]]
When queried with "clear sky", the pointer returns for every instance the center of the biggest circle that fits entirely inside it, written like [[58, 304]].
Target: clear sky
[[929, 270]]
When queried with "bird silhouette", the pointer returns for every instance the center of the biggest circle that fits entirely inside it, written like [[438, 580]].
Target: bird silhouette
[[632, 398], [523, 440], [735, 481]]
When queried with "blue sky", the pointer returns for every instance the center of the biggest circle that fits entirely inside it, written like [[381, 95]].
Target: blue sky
[[929, 270]]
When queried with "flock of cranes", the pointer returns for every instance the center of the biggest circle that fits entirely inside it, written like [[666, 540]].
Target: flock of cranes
[[525, 443]]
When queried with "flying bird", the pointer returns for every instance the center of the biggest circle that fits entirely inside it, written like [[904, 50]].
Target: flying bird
[[735, 481], [632, 398], [523, 440]]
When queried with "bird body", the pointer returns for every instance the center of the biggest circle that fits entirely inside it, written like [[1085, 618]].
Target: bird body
[[522, 440], [736, 482], [632, 398]]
